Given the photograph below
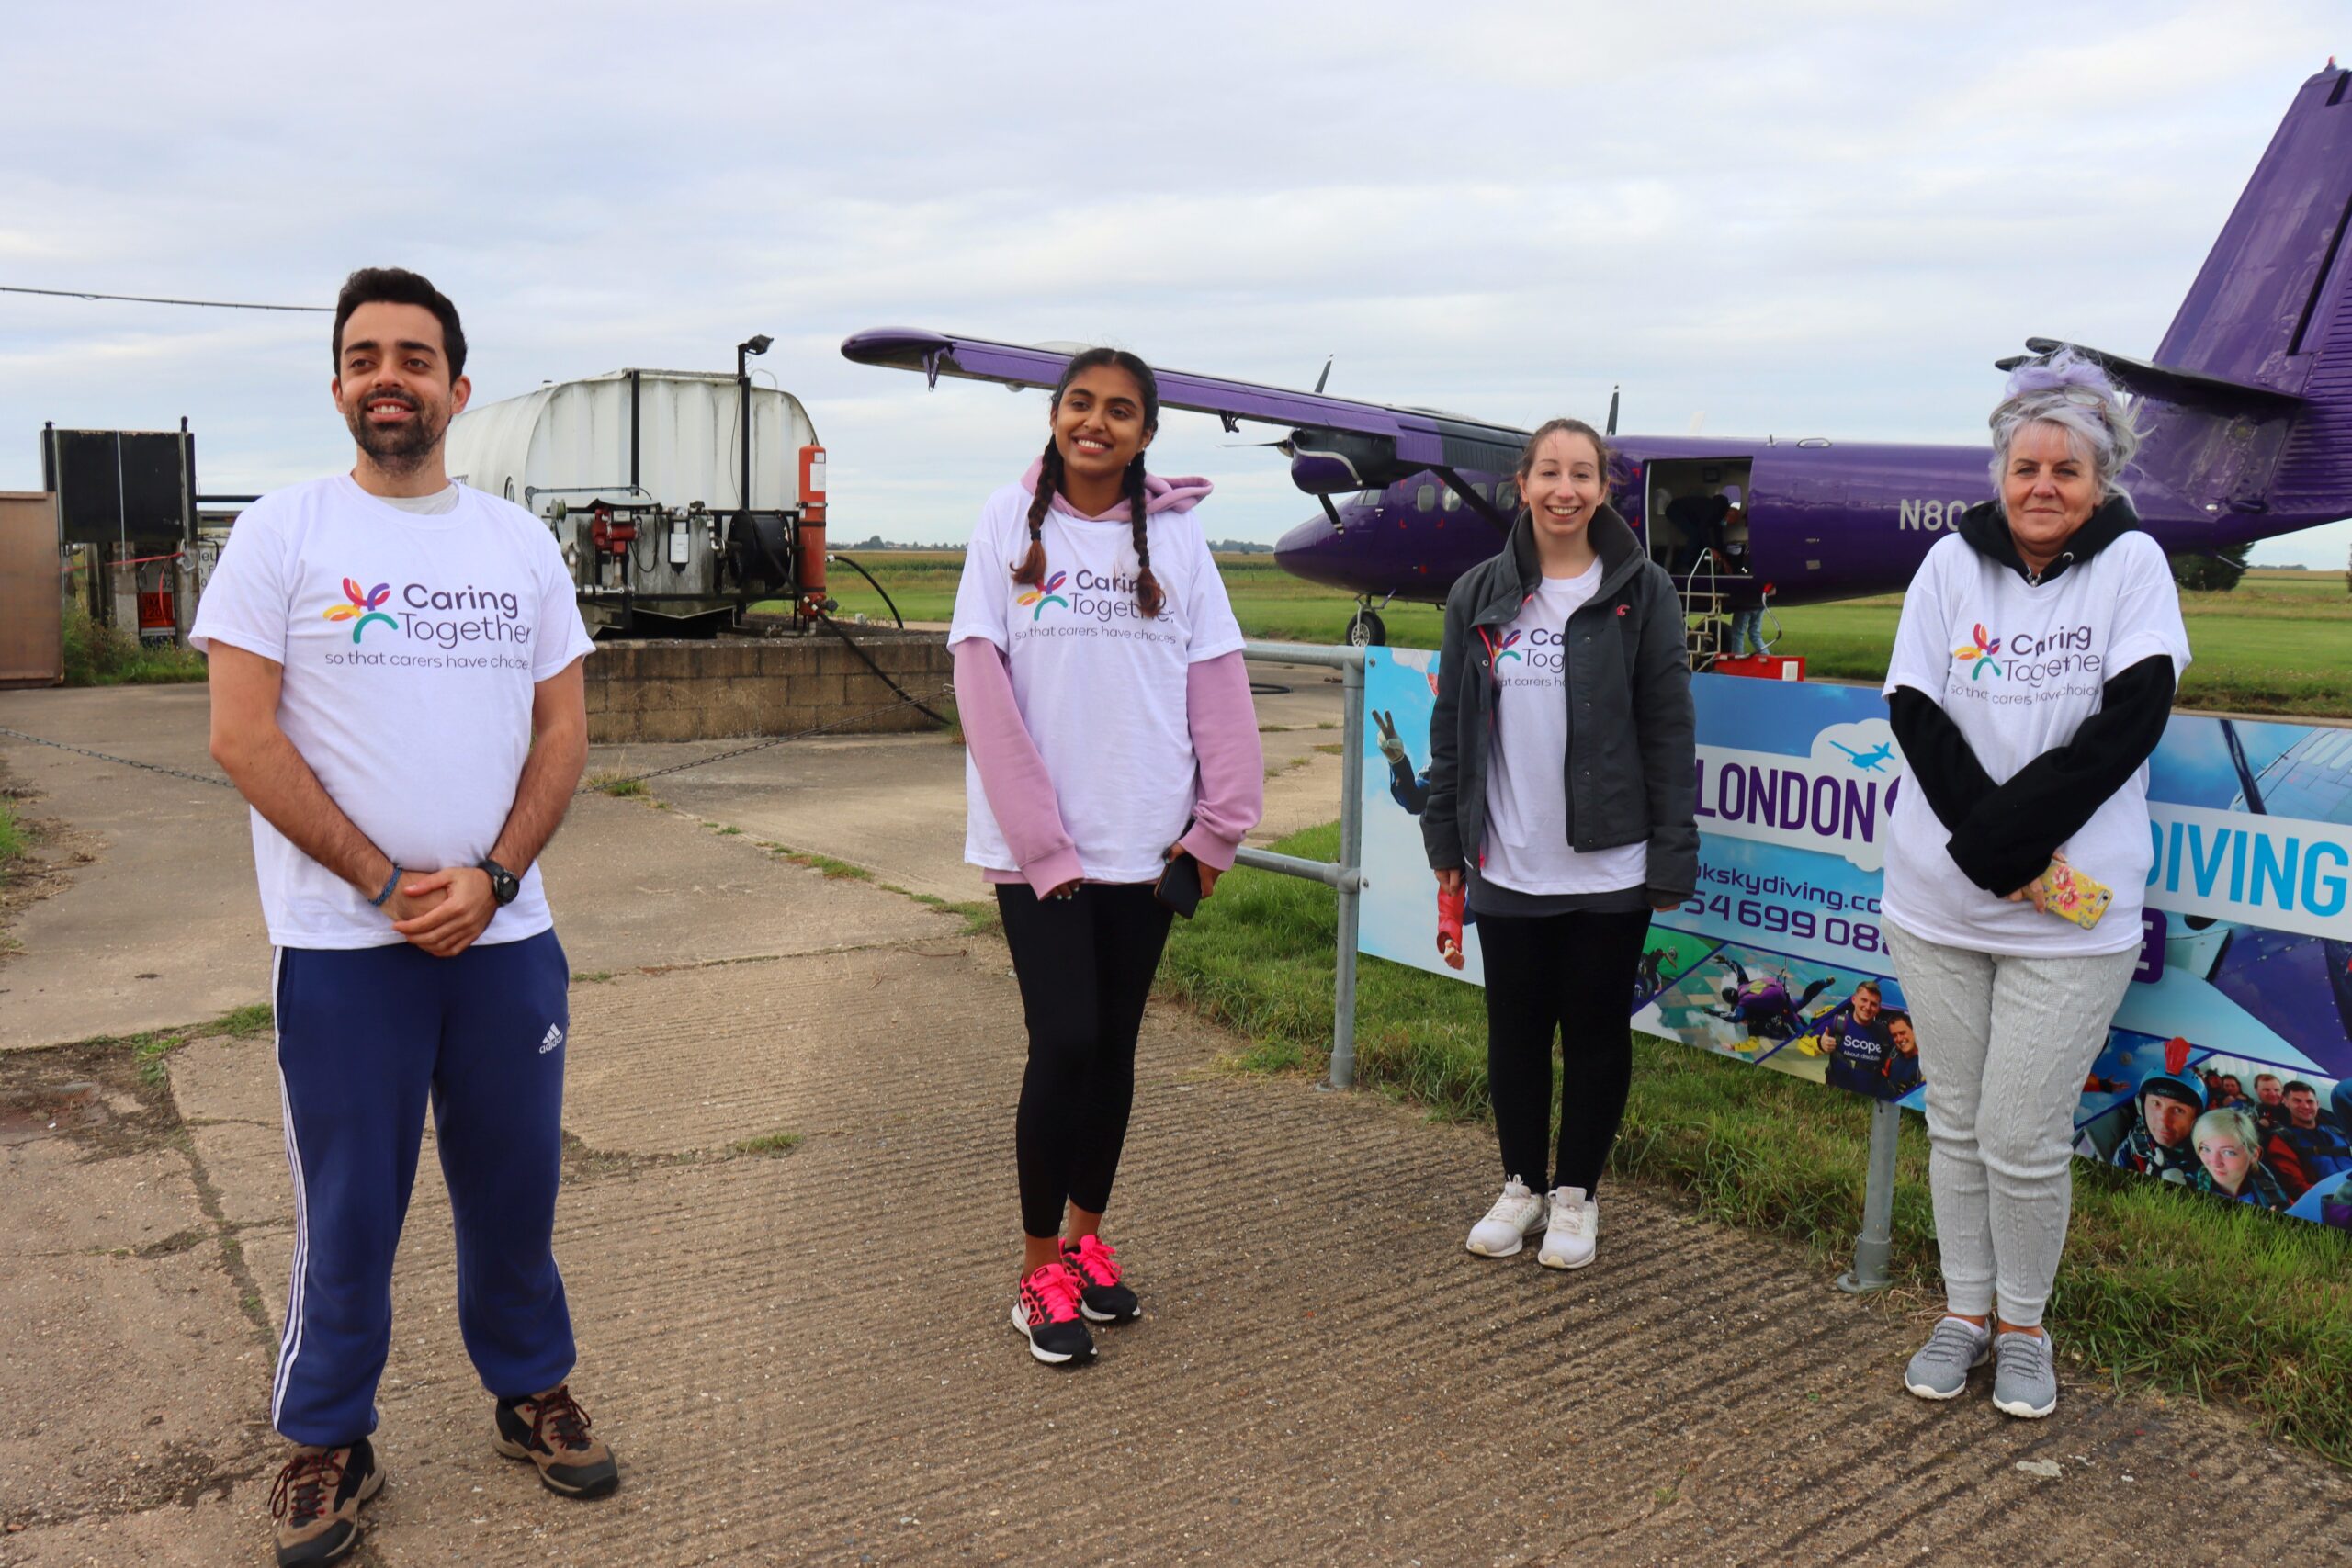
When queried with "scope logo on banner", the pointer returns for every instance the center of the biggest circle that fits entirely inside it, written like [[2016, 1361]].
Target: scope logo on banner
[[2244, 995]]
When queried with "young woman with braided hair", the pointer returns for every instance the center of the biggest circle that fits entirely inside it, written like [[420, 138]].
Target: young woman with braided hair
[[1109, 736]]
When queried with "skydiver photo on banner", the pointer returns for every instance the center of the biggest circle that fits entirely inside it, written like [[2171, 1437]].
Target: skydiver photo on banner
[[2226, 1071]]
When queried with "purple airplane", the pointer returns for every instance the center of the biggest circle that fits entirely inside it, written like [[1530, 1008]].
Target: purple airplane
[[2247, 407]]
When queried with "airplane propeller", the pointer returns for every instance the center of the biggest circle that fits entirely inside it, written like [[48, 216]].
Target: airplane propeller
[[1319, 380], [1612, 412]]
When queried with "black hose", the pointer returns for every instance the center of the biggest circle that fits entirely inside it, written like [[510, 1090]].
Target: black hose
[[834, 626], [877, 588]]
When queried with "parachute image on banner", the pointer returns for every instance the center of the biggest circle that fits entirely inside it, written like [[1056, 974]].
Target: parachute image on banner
[[1780, 959]]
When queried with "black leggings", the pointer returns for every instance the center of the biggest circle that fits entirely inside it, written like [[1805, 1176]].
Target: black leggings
[[1570, 976], [1085, 966]]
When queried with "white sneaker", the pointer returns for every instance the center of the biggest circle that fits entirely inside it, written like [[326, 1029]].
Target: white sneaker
[[1574, 1231], [1517, 1214]]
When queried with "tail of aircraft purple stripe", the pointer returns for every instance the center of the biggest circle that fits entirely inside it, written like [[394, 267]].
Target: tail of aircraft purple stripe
[[2248, 405]]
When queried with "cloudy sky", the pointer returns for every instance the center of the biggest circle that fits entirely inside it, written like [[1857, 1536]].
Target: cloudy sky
[[1798, 220]]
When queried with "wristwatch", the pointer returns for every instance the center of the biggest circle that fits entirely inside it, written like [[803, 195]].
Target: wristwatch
[[503, 883]]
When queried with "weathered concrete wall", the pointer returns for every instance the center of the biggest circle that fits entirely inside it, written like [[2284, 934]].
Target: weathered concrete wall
[[703, 690]]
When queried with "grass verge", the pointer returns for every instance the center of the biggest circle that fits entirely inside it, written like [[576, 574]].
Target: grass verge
[[99, 654], [14, 837], [2159, 1288]]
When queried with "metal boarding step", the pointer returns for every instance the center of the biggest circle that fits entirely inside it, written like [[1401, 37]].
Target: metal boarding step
[[1702, 596]]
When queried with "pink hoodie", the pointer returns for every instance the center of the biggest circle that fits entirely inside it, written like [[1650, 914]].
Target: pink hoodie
[[1223, 721]]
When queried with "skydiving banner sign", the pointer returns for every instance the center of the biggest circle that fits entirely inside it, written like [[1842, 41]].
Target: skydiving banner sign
[[2244, 984]]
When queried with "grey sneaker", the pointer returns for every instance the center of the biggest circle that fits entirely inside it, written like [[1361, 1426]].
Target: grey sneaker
[[2025, 1376], [1940, 1370]]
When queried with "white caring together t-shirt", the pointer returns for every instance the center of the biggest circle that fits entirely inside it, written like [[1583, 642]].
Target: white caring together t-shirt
[[1527, 805], [411, 644], [1101, 686], [2019, 667]]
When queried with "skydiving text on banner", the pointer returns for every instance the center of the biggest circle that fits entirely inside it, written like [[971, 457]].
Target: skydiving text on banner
[[2279, 871]]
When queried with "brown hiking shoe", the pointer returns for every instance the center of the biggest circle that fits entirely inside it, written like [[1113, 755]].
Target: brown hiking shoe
[[315, 1503], [551, 1432]]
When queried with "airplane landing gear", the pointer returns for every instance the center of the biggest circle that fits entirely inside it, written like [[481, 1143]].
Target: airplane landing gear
[[1366, 629]]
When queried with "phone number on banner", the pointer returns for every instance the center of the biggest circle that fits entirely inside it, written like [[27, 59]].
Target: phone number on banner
[[1782, 920]]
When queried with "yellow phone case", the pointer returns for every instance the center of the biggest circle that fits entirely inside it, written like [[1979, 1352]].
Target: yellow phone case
[[2075, 897]]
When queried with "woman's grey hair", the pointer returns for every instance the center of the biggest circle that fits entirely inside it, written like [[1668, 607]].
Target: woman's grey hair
[[2074, 394]]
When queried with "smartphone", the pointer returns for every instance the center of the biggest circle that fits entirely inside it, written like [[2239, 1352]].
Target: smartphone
[[2074, 896], [1180, 885]]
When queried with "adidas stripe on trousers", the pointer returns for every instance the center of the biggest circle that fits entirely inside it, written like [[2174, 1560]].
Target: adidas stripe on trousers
[[367, 1040]]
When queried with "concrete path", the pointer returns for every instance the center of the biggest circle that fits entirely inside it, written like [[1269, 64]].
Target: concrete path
[[801, 1356]]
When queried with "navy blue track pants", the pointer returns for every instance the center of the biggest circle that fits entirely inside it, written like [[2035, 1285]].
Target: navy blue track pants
[[366, 1038]]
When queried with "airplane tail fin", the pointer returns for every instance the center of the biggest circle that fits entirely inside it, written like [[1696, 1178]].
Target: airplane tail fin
[[2248, 405]]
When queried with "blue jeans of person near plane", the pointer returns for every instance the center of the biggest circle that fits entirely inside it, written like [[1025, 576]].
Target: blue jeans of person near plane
[[2005, 1042], [366, 1038], [1747, 633]]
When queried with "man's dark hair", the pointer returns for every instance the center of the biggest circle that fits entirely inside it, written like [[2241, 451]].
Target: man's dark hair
[[2299, 1087], [398, 286]]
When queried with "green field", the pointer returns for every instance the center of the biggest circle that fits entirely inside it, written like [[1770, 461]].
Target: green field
[[2280, 643]]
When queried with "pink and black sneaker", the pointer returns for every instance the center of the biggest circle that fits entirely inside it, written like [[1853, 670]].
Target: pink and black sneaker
[[1046, 1312], [1100, 1296]]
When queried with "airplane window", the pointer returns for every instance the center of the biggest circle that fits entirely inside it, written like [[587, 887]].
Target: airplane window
[[1425, 499], [1369, 498], [1506, 495], [1452, 500]]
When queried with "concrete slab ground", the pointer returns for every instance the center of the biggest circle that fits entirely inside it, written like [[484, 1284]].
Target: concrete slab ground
[[798, 1344]]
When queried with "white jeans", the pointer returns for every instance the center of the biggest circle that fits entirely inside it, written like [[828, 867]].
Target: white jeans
[[2005, 1043]]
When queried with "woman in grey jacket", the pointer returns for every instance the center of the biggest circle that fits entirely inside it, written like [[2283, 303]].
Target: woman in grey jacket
[[1560, 798]]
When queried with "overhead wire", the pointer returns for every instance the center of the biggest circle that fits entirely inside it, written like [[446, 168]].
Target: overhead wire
[[160, 300]]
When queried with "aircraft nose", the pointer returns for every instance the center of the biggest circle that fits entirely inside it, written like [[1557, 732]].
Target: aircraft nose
[[1312, 550]]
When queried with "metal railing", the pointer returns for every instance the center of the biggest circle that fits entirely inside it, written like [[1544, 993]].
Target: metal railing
[[1344, 876], [1876, 1240]]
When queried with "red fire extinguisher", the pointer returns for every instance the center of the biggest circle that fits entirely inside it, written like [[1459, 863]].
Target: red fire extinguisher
[[811, 543]]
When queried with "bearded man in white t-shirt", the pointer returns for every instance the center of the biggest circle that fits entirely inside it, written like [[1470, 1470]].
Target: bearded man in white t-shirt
[[396, 691]]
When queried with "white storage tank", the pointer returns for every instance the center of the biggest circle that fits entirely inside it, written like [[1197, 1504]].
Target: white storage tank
[[680, 432]]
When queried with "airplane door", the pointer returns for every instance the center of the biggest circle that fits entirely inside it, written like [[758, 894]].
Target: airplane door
[[1799, 498]]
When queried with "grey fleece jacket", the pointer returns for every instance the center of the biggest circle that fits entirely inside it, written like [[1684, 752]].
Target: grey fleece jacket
[[1631, 767]]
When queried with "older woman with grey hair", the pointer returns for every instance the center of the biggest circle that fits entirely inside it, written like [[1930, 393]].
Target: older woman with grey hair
[[2033, 675]]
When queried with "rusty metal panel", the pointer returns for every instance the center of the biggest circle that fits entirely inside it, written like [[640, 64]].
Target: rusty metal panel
[[32, 654]]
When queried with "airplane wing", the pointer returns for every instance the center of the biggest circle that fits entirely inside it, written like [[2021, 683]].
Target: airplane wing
[[1409, 439]]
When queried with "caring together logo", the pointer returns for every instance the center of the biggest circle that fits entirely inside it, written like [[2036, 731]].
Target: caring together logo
[[1041, 597], [2051, 661], [444, 619], [362, 607], [1508, 651], [1982, 650], [1090, 601]]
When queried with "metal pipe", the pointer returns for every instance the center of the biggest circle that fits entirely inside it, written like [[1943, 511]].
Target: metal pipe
[[634, 390], [1875, 1245], [743, 388], [1305, 653], [1324, 872], [1343, 1001]]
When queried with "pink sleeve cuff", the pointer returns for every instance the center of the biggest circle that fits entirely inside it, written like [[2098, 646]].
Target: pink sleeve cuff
[[1043, 876]]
